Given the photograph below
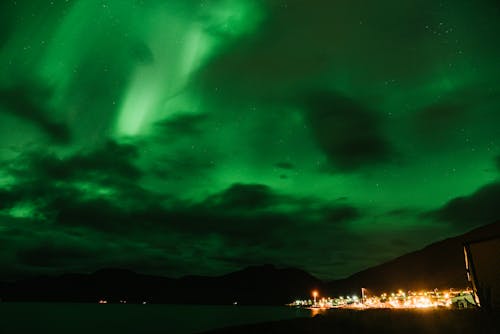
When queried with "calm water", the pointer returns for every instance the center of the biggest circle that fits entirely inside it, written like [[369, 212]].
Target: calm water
[[120, 318]]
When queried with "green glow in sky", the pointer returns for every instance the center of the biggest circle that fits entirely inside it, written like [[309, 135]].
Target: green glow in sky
[[202, 136]]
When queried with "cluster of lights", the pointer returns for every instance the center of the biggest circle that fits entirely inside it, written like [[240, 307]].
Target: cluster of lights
[[411, 299], [121, 301]]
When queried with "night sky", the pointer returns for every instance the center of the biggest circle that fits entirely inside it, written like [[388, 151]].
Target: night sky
[[200, 137]]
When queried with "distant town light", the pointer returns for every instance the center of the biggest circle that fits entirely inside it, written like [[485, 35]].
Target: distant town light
[[315, 294], [412, 299]]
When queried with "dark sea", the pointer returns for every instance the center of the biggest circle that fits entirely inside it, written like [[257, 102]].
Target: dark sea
[[58, 318]]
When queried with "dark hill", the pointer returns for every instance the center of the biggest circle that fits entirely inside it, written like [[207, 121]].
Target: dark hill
[[439, 265], [253, 285]]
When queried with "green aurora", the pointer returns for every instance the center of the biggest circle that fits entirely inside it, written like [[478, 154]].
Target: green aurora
[[198, 137]]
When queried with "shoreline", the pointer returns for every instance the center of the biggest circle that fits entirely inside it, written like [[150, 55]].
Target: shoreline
[[388, 321]]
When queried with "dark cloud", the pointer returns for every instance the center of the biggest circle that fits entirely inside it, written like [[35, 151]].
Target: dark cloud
[[401, 212], [340, 214], [77, 186], [247, 212], [259, 228], [95, 189], [348, 133], [100, 214], [244, 196], [30, 102], [249, 221], [254, 233], [112, 161], [51, 254], [7, 199], [285, 165], [181, 166], [242, 215], [35, 247], [480, 207]]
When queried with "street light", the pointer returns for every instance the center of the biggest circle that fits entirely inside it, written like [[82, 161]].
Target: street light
[[315, 294]]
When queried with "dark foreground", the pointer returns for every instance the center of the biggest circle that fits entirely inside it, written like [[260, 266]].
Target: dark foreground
[[381, 321]]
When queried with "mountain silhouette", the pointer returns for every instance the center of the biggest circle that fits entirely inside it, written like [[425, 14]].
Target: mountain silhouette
[[439, 265]]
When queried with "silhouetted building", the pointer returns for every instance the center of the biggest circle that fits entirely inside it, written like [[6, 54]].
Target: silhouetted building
[[482, 260]]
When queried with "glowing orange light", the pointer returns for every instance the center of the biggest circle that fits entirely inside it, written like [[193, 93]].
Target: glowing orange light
[[401, 300]]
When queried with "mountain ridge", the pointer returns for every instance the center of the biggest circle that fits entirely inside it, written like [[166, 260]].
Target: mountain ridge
[[438, 265]]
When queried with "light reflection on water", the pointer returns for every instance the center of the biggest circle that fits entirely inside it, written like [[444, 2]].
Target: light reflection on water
[[316, 311]]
